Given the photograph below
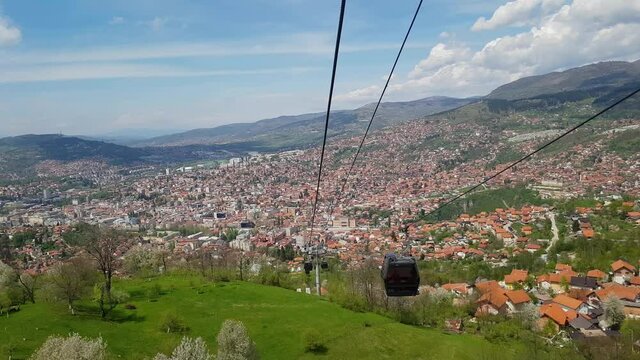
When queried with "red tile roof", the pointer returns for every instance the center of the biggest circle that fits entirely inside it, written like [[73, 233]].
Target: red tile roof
[[621, 264], [621, 292], [567, 301], [596, 273], [516, 276], [495, 297], [563, 267], [518, 296], [486, 286], [554, 312]]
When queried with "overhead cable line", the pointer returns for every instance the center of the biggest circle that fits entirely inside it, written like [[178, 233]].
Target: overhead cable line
[[599, 113], [375, 110], [326, 123]]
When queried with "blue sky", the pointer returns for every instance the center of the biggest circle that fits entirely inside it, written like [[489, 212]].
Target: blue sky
[[94, 66]]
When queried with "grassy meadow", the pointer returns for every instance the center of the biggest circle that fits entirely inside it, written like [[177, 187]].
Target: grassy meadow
[[277, 320]]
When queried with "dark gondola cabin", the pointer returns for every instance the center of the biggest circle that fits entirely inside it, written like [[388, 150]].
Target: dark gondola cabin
[[324, 265], [401, 276], [308, 266]]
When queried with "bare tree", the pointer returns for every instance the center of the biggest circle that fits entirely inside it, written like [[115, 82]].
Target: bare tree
[[103, 249], [73, 280], [28, 284], [366, 282]]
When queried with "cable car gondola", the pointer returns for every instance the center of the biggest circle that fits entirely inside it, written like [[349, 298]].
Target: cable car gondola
[[308, 266], [401, 276], [324, 265]]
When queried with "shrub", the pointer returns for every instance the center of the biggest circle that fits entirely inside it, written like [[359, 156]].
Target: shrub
[[313, 343], [172, 323], [153, 292]]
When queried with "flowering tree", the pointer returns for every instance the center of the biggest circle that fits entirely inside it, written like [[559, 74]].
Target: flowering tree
[[234, 342], [613, 312], [189, 349], [74, 347]]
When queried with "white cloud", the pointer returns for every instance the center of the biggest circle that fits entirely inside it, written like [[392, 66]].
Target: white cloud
[[116, 20], [583, 32], [517, 13], [113, 71], [303, 44], [9, 34], [440, 55], [359, 95], [576, 34]]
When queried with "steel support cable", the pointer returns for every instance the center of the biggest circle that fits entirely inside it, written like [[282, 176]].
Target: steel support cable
[[598, 114], [375, 110], [326, 123]]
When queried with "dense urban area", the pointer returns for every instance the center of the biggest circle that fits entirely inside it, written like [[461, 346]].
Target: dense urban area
[[546, 255]]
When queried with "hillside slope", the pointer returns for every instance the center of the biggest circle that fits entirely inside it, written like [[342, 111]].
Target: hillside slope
[[268, 132], [601, 75], [277, 320], [68, 148]]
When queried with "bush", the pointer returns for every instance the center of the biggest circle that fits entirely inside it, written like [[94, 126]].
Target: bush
[[153, 293], [172, 323], [503, 331], [313, 344], [74, 347]]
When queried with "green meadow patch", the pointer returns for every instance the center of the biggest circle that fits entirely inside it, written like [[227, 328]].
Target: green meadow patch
[[277, 320]]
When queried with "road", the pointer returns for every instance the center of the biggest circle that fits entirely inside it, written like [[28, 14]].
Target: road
[[554, 228]]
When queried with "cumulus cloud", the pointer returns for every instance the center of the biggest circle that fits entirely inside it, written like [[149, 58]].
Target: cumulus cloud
[[359, 95], [517, 13], [575, 34], [439, 56], [9, 34]]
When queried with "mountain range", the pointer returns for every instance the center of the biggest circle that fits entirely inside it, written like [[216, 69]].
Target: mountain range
[[303, 130], [595, 85]]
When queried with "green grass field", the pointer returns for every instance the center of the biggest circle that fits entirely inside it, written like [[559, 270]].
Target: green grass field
[[276, 318]]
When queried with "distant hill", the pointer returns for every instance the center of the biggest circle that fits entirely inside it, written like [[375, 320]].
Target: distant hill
[[596, 84], [128, 136], [575, 93], [19, 154], [302, 130], [66, 148], [589, 78]]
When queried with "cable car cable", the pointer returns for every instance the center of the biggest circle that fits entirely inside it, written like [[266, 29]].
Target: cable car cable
[[375, 110], [599, 113], [326, 123]]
